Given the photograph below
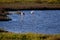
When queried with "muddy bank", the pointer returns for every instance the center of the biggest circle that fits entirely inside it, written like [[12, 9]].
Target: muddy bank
[[3, 15], [2, 30], [13, 9], [4, 18]]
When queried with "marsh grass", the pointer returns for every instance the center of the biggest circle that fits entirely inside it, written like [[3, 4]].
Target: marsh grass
[[29, 4], [34, 1], [28, 36]]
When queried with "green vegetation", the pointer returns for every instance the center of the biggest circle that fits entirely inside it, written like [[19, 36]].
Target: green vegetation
[[28, 36]]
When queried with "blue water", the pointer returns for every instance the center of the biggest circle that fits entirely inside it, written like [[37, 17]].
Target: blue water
[[42, 21]]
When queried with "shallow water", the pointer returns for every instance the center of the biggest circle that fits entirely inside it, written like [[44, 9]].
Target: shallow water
[[42, 21]]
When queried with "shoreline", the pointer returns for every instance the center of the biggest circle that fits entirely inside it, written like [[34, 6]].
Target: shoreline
[[10, 9]]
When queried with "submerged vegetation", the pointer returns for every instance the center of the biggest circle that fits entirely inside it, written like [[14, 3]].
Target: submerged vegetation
[[28, 36]]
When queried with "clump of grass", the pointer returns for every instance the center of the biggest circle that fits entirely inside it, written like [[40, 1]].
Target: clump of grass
[[28, 36]]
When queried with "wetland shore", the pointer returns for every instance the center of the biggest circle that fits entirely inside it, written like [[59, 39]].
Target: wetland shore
[[29, 6]]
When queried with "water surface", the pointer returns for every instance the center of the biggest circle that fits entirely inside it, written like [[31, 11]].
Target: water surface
[[42, 21]]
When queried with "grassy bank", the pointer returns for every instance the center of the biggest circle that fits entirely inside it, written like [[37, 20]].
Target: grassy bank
[[5, 35], [29, 4], [28, 36], [37, 1]]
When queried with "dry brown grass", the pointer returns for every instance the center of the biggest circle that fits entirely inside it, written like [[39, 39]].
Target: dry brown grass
[[27, 5]]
